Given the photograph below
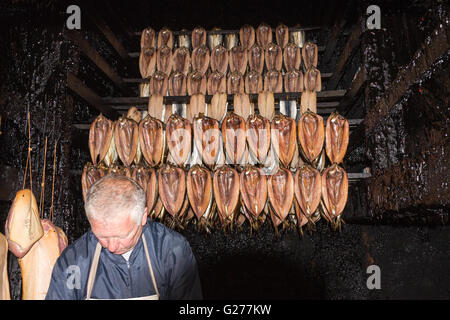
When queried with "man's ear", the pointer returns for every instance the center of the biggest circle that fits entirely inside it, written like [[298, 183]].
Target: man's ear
[[144, 217]]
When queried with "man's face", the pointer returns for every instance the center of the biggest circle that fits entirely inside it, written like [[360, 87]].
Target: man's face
[[119, 235]]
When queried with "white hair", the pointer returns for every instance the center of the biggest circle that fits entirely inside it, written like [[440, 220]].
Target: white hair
[[115, 195]]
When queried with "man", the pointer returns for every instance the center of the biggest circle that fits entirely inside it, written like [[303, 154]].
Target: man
[[112, 260]]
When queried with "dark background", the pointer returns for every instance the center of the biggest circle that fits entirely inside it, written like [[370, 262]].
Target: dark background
[[406, 233]]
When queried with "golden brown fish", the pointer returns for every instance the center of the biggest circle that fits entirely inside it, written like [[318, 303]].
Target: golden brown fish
[[207, 138], [293, 81], [258, 136], [282, 35], [172, 188], [292, 57], [89, 176], [23, 226], [238, 59], [200, 191], [198, 37], [196, 106], [308, 189], [273, 81], [256, 58], [309, 54], [219, 59], [253, 187], [337, 135], [308, 101], [242, 105], [247, 36], [164, 60], [235, 83], [156, 106], [263, 35], [181, 60], [165, 38], [283, 136], [253, 82], [135, 114], [311, 135], [159, 84], [152, 140], [147, 62], [234, 137], [177, 84], [280, 189], [226, 193], [273, 55], [196, 83], [146, 178], [218, 107], [200, 59], [126, 138], [334, 193], [179, 138], [4, 281], [313, 81], [37, 265], [217, 83], [148, 38], [100, 138], [266, 105]]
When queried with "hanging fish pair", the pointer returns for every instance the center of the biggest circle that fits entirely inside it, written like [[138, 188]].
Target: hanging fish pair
[[36, 242]]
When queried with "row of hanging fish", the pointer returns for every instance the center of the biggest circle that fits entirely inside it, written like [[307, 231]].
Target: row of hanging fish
[[246, 37], [36, 242], [270, 146], [237, 59], [178, 84], [235, 140], [169, 68], [226, 197]]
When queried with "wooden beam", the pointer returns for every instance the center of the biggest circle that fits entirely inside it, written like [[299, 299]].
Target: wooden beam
[[109, 35], [357, 136], [336, 32], [97, 59], [112, 15], [351, 44], [347, 101], [77, 86], [434, 46]]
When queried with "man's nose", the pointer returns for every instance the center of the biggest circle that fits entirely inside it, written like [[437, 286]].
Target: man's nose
[[113, 245]]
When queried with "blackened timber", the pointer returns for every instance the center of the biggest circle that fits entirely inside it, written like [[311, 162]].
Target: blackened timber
[[336, 31], [435, 46], [111, 13], [356, 137], [347, 101], [77, 86], [97, 59], [351, 44], [110, 36]]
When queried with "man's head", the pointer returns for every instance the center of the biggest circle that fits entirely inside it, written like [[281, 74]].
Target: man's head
[[115, 207]]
